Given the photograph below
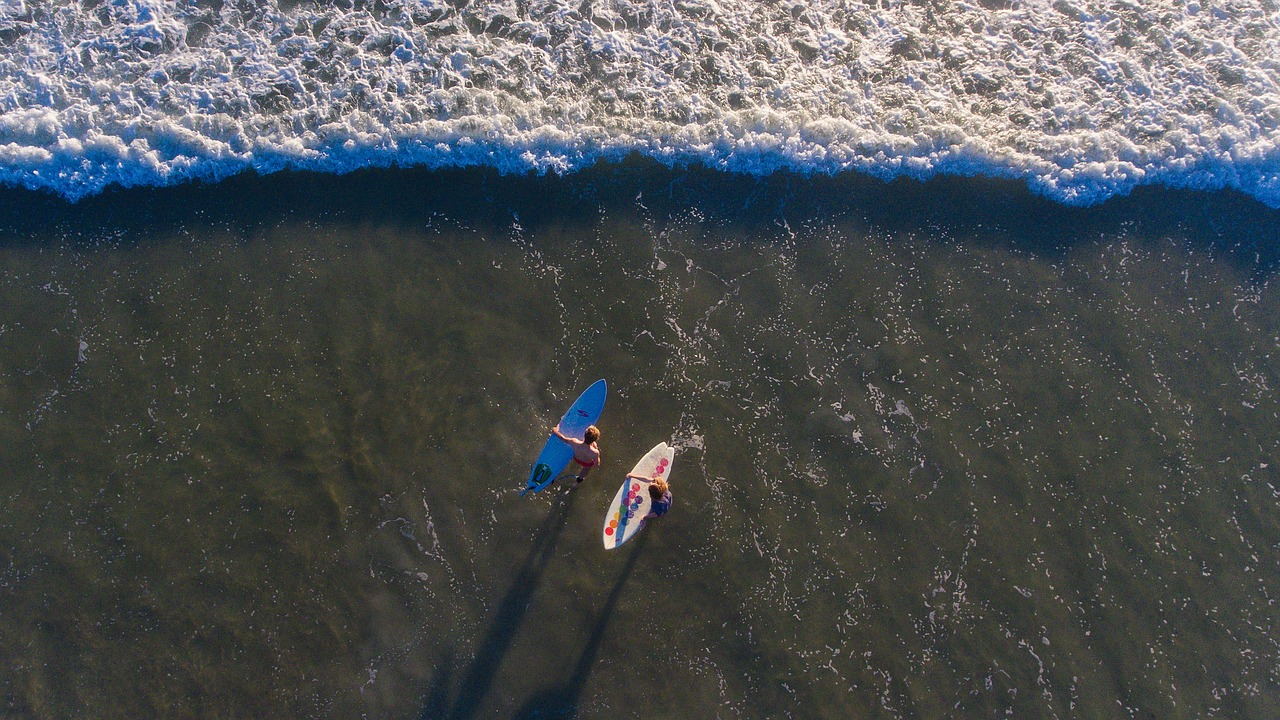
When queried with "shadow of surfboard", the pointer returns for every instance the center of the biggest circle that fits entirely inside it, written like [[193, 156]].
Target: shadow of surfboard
[[506, 624], [561, 701]]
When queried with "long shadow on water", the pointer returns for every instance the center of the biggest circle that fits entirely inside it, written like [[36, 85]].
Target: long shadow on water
[[561, 701], [506, 623]]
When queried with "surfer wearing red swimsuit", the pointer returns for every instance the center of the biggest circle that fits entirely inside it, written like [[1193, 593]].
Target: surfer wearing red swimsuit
[[585, 451]]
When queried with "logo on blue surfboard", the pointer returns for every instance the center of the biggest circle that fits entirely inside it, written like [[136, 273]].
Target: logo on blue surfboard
[[541, 474]]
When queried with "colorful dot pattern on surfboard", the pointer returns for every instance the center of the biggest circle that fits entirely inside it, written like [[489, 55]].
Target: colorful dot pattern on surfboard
[[630, 504]]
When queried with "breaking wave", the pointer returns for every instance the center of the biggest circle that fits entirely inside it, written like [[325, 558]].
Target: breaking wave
[[1081, 100]]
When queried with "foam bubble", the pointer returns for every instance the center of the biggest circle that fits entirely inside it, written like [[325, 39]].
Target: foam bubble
[[1082, 101]]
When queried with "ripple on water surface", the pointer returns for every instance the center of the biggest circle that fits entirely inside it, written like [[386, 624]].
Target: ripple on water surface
[[941, 449]]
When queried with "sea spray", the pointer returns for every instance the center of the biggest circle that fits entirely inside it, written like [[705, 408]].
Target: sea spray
[[1081, 100]]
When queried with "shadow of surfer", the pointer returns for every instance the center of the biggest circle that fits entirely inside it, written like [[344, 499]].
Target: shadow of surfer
[[562, 700], [506, 623]]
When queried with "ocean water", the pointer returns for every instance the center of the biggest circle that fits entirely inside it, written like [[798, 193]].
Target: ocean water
[[943, 449], [1081, 100], [291, 291]]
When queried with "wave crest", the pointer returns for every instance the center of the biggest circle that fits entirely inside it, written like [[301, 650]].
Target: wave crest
[[1082, 100]]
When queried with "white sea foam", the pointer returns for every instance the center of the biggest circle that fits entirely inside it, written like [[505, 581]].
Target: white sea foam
[[1081, 99]]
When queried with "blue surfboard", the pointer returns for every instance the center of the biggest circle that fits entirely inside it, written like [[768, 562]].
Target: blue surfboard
[[556, 453]]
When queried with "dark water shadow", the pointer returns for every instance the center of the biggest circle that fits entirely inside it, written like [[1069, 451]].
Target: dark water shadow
[[507, 621], [561, 700], [1000, 212]]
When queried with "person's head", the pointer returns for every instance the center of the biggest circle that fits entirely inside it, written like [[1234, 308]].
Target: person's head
[[592, 434], [657, 488]]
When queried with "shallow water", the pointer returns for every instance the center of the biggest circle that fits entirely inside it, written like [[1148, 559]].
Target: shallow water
[[943, 450]]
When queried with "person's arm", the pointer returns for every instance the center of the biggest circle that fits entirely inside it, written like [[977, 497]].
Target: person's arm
[[572, 441], [646, 478]]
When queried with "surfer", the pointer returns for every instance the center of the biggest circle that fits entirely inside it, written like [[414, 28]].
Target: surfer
[[585, 451], [659, 494]]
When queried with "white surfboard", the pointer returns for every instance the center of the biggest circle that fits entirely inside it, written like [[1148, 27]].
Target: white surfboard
[[631, 503]]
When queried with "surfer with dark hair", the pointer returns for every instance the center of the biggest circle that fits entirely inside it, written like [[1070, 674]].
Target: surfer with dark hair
[[586, 453]]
